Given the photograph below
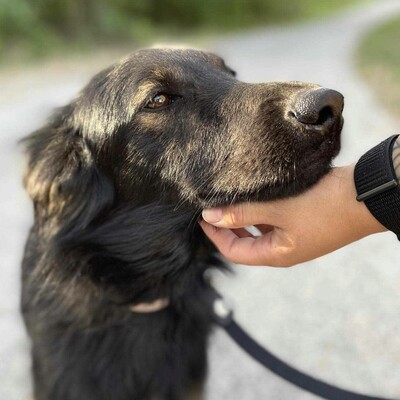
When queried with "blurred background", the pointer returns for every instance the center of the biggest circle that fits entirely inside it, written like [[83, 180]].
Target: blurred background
[[33, 29], [336, 318]]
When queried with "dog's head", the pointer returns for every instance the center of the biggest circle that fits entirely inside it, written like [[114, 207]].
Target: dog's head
[[177, 126]]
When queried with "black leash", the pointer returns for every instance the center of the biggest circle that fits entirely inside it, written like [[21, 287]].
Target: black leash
[[223, 316]]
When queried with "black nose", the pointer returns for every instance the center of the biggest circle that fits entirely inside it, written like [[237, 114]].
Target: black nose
[[317, 106]]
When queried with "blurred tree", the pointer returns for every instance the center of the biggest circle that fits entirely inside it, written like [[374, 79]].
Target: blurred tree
[[44, 24], [71, 18]]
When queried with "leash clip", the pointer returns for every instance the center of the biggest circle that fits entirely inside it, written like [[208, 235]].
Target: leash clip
[[221, 312]]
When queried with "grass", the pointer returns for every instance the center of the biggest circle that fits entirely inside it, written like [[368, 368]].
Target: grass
[[378, 59]]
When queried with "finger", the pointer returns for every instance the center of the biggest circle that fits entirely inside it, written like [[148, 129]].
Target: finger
[[239, 215], [246, 250]]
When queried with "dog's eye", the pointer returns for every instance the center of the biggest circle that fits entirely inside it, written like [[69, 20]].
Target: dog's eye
[[160, 100]]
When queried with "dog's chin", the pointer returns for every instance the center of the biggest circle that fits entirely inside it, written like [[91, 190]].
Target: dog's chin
[[309, 170], [265, 192]]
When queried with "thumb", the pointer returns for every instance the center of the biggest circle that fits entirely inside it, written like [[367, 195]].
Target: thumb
[[237, 216]]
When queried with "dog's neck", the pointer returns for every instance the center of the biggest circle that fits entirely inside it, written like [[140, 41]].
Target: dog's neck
[[147, 254]]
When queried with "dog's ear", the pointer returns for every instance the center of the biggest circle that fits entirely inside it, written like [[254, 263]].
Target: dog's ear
[[221, 63], [230, 70], [63, 179]]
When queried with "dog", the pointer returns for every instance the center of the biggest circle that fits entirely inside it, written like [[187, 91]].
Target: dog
[[114, 296]]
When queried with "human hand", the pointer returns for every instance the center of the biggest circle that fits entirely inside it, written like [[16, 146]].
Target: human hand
[[296, 229]]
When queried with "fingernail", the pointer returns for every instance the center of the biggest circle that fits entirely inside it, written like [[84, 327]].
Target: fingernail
[[212, 215]]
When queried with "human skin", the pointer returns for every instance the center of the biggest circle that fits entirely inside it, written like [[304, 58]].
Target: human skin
[[293, 230]]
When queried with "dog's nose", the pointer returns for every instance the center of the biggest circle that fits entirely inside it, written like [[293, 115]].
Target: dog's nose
[[318, 107]]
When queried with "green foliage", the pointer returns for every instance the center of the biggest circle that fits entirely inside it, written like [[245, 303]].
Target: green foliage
[[378, 59], [39, 26], [232, 14], [381, 47], [22, 29]]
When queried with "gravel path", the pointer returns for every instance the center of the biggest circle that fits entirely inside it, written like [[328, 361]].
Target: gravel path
[[336, 318]]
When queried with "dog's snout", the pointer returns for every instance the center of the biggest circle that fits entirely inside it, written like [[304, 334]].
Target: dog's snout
[[317, 107]]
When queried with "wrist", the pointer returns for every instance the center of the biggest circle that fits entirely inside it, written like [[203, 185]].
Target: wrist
[[355, 214]]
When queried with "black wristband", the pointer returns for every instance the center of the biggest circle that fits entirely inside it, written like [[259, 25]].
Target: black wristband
[[377, 185]]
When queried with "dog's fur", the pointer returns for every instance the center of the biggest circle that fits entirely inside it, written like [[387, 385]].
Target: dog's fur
[[117, 190]]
